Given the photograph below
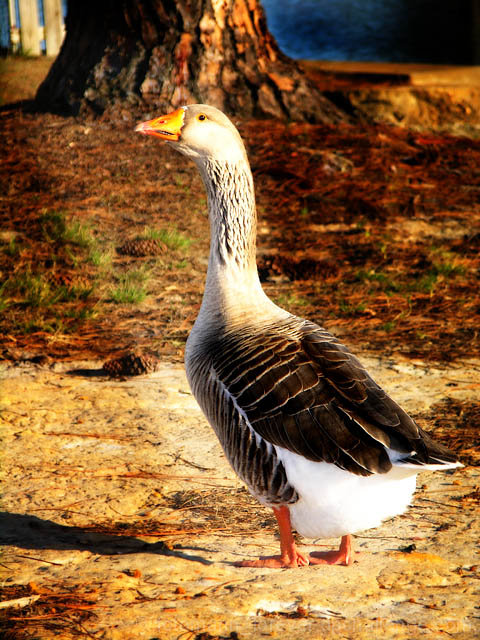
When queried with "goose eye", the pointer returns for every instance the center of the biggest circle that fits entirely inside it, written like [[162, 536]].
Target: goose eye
[[201, 116]]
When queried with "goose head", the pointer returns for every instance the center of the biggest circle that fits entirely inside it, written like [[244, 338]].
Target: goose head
[[199, 131]]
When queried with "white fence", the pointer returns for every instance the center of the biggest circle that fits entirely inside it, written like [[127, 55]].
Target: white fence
[[29, 34]]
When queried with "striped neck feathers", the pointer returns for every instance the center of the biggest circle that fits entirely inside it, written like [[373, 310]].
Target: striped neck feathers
[[231, 206]]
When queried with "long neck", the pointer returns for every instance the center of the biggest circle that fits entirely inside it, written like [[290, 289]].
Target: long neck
[[233, 219], [232, 285]]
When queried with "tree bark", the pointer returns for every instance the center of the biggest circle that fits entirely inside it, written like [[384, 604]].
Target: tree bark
[[160, 54]]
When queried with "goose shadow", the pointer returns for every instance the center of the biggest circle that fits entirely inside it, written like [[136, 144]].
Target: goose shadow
[[87, 373], [30, 532]]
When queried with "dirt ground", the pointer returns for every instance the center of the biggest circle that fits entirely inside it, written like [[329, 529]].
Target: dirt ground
[[121, 518]]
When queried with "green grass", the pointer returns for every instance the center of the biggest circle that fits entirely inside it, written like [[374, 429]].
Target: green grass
[[40, 323], [53, 224], [426, 282], [383, 248], [56, 323], [49, 306], [36, 290], [438, 272], [101, 258], [53, 320], [74, 235], [4, 301], [34, 297], [170, 237], [131, 287], [304, 212], [448, 269], [56, 228], [348, 309], [290, 300], [79, 234], [384, 281], [32, 290], [126, 293], [12, 249], [388, 326]]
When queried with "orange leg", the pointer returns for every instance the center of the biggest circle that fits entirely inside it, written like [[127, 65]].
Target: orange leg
[[344, 555], [289, 555]]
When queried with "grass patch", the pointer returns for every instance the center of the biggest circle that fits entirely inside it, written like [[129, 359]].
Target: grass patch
[[74, 235], [304, 212], [179, 264], [381, 279], [131, 287], [291, 300], [448, 269], [79, 234], [53, 320], [101, 258], [36, 290], [440, 271], [53, 285], [127, 293], [388, 326], [348, 309], [53, 225], [57, 229], [32, 290], [42, 324], [4, 302], [425, 284], [12, 249], [170, 237]]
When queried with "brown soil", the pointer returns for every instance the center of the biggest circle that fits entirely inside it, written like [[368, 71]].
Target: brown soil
[[20, 76]]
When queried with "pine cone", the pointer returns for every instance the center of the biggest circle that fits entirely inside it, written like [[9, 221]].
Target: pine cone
[[131, 364], [140, 247]]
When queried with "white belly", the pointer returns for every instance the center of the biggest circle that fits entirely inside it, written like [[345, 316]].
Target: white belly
[[334, 502]]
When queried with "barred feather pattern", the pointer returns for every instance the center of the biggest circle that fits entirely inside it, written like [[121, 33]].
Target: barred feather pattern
[[292, 384], [231, 198], [252, 457]]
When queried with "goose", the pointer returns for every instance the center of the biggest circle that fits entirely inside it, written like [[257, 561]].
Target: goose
[[300, 420]]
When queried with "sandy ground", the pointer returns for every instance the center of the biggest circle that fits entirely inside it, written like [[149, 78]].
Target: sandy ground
[[117, 493]]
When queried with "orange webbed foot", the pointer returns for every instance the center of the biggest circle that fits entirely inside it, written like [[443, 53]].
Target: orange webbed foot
[[277, 562], [344, 555]]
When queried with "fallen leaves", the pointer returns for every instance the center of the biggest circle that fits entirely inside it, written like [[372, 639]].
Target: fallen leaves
[[46, 607], [374, 229]]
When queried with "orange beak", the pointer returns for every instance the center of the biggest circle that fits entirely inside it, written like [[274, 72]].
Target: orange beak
[[165, 127]]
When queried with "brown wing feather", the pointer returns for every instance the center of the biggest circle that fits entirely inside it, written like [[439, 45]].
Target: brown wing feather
[[300, 388]]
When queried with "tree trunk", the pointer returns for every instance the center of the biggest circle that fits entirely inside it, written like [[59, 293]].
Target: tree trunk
[[159, 54]]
